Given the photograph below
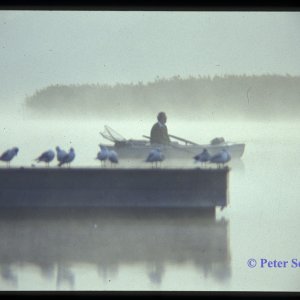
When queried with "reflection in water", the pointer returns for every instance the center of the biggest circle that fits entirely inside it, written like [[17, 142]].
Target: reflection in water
[[56, 241], [64, 276], [107, 272], [47, 270], [8, 275], [156, 272]]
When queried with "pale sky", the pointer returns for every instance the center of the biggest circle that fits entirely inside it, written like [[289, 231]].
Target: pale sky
[[40, 48]]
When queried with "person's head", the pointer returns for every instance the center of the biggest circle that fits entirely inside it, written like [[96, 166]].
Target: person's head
[[162, 117]]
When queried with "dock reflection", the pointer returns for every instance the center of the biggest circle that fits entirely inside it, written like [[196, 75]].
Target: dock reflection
[[56, 240]]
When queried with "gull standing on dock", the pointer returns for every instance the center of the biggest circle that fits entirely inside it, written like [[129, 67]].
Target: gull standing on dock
[[102, 154], [60, 154], [221, 158], [202, 157], [68, 158], [46, 157], [8, 155], [155, 156], [113, 157]]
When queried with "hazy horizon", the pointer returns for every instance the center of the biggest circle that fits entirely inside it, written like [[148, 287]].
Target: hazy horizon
[[42, 48]]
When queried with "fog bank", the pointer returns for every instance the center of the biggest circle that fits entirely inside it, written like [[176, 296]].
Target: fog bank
[[232, 96]]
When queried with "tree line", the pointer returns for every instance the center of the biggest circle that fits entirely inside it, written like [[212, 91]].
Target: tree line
[[205, 97]]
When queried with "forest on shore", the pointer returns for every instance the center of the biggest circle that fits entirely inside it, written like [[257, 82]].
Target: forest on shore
[[257, 97]]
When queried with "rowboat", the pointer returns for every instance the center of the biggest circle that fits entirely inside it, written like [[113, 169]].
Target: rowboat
[[179, 149]]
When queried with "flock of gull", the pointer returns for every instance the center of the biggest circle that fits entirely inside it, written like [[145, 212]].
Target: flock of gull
[[155, 157], [221, 158]]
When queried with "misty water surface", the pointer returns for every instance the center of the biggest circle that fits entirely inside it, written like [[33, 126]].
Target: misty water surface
[[159, 250]]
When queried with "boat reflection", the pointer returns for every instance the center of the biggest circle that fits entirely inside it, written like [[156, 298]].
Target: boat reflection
[[56, 241]]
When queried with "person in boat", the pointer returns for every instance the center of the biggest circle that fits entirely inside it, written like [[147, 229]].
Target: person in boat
[[159, 131]]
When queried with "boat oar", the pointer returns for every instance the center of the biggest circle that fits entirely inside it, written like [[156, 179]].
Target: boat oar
[[178, 138], [183, 140]]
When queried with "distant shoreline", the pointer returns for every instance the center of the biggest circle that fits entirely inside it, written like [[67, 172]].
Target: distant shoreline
[[230, 96]]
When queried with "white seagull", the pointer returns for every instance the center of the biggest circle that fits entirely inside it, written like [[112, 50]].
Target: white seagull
[[8, 155], [113, 157], [102, 154], [46, 157], [155, 156], [67, 159], [202, 157], [221, 158]]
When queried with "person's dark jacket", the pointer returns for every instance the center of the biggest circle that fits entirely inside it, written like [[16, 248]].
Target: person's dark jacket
[[159, 134]]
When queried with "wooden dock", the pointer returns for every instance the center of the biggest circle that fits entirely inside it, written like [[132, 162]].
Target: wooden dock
[[96, 187]]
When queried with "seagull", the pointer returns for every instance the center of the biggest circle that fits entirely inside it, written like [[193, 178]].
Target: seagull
[[102, 154], [202, 157], [68, 158], [155, 156], [8, 155], [221, 158], [113, 157], [46, 157], [60, 154]]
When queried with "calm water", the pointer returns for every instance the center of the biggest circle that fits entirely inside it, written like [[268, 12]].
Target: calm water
[[159, 250]]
